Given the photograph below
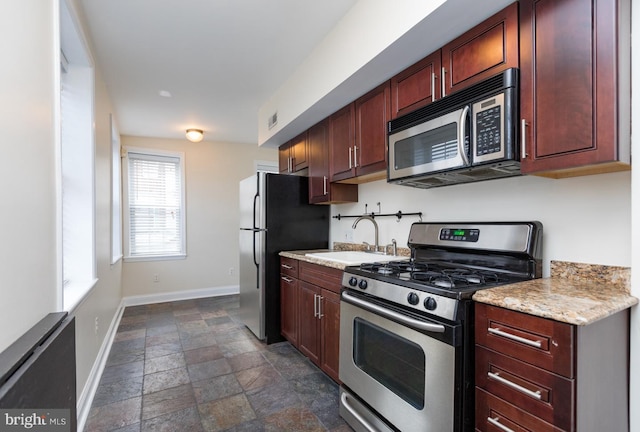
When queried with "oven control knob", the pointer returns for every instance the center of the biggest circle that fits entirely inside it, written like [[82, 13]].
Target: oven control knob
[[413, 298], [430, 303], [353, 281], [363, 284]]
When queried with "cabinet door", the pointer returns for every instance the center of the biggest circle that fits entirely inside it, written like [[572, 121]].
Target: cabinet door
[[341, 142], [569, 85], [284, 162], [309, 327], [299, 152], [289, 308], [543, 394], [492, 413], [373, 111], [542, 342], [416, 86], [330, 335], [485, 50], [321, 190], [319, 162]]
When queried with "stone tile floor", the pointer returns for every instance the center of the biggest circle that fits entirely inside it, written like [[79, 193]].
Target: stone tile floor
[[190, 366]]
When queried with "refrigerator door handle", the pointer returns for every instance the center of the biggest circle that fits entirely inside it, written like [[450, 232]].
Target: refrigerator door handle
[[255, 261], [255, 205]]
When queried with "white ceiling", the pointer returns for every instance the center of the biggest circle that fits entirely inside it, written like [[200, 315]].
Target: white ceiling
[[219, 59]]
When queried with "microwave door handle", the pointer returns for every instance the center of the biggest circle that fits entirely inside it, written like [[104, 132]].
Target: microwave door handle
[[462, 136]]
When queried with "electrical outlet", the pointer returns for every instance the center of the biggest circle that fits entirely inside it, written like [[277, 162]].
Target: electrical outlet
[[156, 278], [348, 236], [230, 271], [96, 326]]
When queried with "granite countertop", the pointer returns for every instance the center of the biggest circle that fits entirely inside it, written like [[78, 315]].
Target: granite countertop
[[578, 294], [300, 254]]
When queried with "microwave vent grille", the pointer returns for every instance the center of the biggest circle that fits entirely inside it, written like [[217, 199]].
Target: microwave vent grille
[[464, 175], [508, 78]]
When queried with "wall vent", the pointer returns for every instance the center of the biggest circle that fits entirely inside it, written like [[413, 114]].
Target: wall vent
[[273, 120]]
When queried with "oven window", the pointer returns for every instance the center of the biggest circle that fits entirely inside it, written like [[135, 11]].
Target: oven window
[[395, 362], [434, 145]]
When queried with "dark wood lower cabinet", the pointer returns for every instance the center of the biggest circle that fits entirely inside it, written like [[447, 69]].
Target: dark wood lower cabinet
[[289, 308], [494, 412], [330, 334], [309, 325], [537, 374], [311, 314]]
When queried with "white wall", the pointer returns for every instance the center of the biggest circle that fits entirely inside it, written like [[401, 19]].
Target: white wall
[[28, 270], [371, 43], [213, 171], [103, 301], [29, 260], [576, 213]]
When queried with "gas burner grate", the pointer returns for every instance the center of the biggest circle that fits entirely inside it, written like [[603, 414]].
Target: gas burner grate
[[410, 266], [455, 278]]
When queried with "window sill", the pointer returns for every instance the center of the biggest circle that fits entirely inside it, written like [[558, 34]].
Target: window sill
[[155, 258], [116, 259], [74, 293]]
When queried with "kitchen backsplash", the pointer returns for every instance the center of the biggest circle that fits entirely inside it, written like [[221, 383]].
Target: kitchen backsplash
[[577, 213]]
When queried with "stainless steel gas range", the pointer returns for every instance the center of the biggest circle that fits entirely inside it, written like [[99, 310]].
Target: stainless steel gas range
[[406, 327]]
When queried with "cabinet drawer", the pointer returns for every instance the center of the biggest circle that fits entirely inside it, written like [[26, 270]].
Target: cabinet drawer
[[541, 393], [542, 342], [289, 267], [325, 277], [493, 412]]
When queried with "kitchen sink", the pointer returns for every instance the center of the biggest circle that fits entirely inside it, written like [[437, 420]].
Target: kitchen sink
[[354, 257]]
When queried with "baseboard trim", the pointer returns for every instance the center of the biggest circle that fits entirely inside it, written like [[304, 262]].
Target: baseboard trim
[[86, 397], [180, 295]]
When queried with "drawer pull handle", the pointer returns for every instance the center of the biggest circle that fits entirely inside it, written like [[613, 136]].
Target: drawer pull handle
[[288, 267], [286, 279], [529, 342], [536, 395], [496, 423]]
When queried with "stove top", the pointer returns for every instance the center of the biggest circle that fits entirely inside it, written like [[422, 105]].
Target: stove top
[[451, 261], [436, 275]]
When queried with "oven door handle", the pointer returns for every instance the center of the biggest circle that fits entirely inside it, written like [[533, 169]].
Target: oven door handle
[[345, 403], [421, 325]]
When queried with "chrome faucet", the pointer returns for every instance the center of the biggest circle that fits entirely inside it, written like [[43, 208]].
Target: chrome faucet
[[375, 225]]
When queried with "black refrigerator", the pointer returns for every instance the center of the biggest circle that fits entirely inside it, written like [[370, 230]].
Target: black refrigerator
[[275, 216]]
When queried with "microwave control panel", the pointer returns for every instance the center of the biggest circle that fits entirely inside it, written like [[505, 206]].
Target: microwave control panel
[[488, 130]]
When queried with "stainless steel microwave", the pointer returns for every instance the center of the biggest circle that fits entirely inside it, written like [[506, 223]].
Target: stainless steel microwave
[[468, 136]]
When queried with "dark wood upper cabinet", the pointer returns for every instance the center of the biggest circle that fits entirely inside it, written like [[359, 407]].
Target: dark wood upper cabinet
[[358, 137], [485, 50], [574, 86], [416, 86], [321, 190], [318, 136], [373, 111], [293, 156], [341, 142], [284, 161]]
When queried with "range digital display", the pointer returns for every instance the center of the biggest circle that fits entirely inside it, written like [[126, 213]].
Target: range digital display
[[460, 234]]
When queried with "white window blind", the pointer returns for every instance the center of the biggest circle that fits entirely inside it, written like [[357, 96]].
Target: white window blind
[[156, 205]]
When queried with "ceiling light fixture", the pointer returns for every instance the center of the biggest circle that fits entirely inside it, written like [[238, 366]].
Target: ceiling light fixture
[[195, 135]]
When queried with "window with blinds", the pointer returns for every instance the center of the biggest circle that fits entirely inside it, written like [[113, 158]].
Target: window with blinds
[[155, 205]]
